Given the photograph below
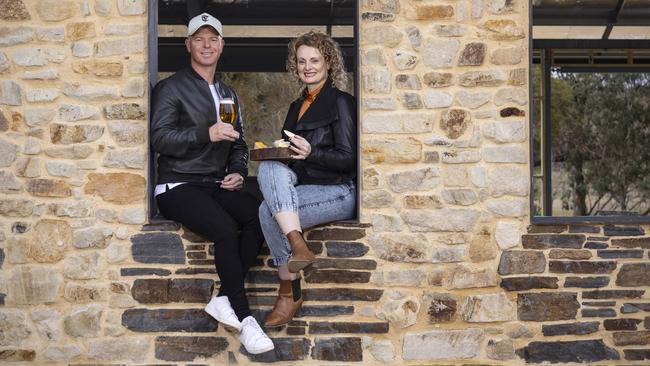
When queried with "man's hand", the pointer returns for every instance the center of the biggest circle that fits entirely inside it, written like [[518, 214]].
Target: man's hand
[[233, 182], [301, 147], [223, 132]]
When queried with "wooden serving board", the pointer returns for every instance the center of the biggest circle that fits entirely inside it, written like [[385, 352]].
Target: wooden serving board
[[271, 153]]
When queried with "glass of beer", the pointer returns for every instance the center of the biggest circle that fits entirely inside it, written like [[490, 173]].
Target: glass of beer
[[227, 110]]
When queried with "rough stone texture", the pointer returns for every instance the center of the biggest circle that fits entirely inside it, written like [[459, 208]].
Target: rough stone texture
[[13, 328], [387, 35], [391, 151], [10, 93], [482, 78], [188, 348], [119, 349], [633, 275], [547, 306], [454, 122], [441, 220], [487, 308], [473, 54], [83, 321], [414, 180], [400, 247], [443, 344], [440, 53], [437, 79], [518, 262], [568, 351], [120, 188], [338, 349], [14, 10], [463, 276], [33, 285]]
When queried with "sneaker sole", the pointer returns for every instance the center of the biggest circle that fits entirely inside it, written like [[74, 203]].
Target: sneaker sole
[[225, 323], [257, 352], [297, 265]]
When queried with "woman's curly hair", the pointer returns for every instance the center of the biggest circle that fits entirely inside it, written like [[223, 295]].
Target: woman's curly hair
[[330, 50]]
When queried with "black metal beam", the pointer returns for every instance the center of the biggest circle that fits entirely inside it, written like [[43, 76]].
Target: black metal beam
[[591, 43], [614, 19], [546, 156], [243, 54], [582, 16], [263, 12]]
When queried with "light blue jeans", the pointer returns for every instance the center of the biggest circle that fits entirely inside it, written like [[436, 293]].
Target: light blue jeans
[[314, 204]]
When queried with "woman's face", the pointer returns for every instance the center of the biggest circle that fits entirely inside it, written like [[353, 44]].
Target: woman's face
[[312, 68]]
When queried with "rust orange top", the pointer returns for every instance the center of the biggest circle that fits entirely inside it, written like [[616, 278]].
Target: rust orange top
[[309, 99]]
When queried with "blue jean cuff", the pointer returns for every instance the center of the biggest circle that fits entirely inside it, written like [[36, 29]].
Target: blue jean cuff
[[283, 207], [281, 261]]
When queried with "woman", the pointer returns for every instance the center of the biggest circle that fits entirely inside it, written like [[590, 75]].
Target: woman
[[317, 185]]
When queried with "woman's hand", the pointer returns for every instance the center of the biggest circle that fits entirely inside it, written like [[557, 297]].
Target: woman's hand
[[233, 182], [300, 146]]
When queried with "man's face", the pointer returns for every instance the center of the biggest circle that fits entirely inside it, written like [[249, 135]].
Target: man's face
[[205, 46]]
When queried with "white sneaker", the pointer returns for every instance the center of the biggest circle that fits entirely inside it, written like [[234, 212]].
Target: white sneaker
[[253, 338], [220, 309]]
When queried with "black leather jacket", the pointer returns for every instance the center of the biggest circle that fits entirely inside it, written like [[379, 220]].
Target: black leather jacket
[[330, 126], [183, 111]]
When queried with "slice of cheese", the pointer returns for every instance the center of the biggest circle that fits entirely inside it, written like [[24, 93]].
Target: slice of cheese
[[281, 143], [289, 134], [259, 145]]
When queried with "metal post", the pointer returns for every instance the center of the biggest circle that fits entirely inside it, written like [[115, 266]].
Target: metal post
[[547, 158]]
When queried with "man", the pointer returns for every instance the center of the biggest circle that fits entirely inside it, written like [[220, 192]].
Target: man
[[201, 168]]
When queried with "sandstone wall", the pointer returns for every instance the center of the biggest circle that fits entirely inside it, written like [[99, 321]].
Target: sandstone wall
[[443, 269]]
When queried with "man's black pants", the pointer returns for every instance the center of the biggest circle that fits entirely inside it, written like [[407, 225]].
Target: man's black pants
[[230, 220]]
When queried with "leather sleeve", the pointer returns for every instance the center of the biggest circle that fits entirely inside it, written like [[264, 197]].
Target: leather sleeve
[[167, 137], [342, 156], [238, 158]]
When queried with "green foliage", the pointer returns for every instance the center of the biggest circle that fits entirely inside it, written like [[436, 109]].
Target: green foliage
[[601, 129]]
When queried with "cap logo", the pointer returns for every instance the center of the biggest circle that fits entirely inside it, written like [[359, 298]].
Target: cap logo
[[204, 18]]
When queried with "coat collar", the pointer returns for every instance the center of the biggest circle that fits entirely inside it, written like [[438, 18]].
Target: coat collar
[[321, 109]]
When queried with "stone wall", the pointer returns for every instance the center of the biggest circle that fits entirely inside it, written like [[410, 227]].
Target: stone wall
[[443, 269]]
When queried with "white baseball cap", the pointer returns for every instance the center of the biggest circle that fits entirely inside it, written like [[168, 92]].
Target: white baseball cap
[[201, 20]]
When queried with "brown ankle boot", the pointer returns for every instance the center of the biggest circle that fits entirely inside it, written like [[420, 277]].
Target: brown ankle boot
[[301, 256], [288, 302]]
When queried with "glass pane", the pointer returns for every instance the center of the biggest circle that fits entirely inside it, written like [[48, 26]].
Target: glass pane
[[600, 133], [536, 127]]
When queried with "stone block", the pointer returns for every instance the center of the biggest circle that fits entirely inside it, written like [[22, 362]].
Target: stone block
[[80, 30], [384, 6], [144, 272], [324, 310], [473, 54], [376, 80], [13, 328], [319, 327], [445, 219], [508, 181], [56, 10], [338, 276], [586, 282], [336, 234], [411, 101], [10, 93], [120, 188], [578, 328], [385, 35], [504, 154], [507, 56], [128, 348], [62, 353], [17, 355], [150, 291], [642, 243], [119, 47], [42, 95], [14, 36], [168, 320], [82, 266], [512, 112], [482, 78], [505, 131], [487, 308], [581, 267], [511, 96], [472, 100], [286, 349], [463, 276], [131, 7], [345, 249], [508, 208], [414, 180], [405, 60], [342, 294], [613, 254], [567, 351], [90, 92], [621, 324], [571, 241], [386, 104], [82, 49], [15, 10], [123, 29], [450, 30], [48, 188], [408, 81], [454, 122], [519, 261], [612, 294], [439, 54], [33, 285], [528, 283], [342, 349], [547, 306], [73, 134], [636, 354], [437, 79], [83, 321], [35, 117], [443, 344], [569, 254], [633, 275], [502, 30], [373, 57]]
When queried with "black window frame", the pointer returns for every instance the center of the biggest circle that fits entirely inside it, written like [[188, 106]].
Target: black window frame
[[349, 46]]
